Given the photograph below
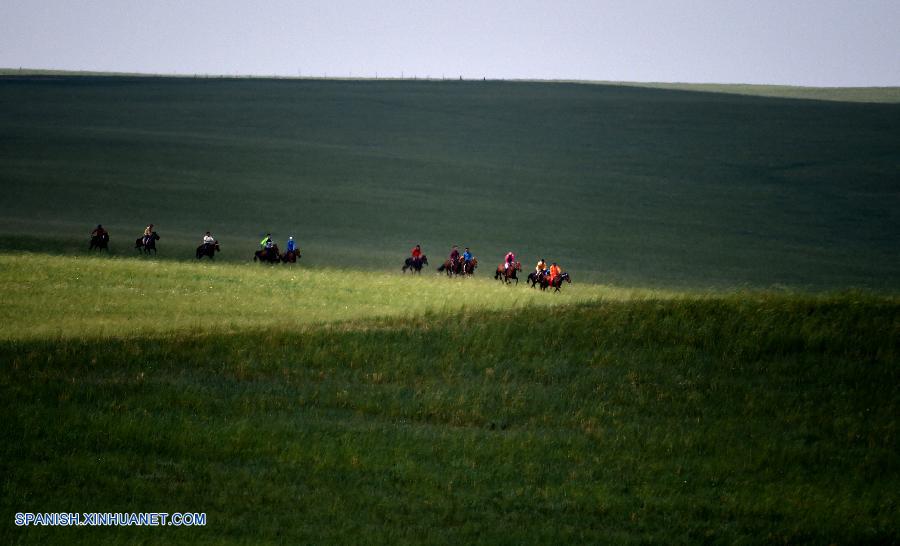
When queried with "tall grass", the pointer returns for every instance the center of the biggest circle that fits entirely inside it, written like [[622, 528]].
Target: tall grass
[[722, 418]]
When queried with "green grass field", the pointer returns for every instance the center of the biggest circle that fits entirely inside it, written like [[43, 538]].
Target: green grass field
[[723, 369], [296, 409], [622, 185]]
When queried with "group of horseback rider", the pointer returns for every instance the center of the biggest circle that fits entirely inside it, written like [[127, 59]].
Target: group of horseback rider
[[208, 246], [459, 264], [268, 243], [549, 273], [456, 264], [466, 262], [269, 252]]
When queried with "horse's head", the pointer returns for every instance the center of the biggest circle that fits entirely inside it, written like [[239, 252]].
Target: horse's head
[[216, 246], [154, 236], [424, 259], [566, 276], [518, 266]]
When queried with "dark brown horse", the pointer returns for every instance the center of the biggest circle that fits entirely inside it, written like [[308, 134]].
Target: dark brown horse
[[470, 266], [141, 246], [556, 282], [100, 242], [268, 255], [507, 275], [208, 250], [415, 264], [290, 257], [452, 268]]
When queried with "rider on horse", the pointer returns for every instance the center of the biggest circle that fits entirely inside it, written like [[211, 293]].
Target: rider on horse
[[416, 253], [454, 259], [541, 268], [148, 231], [509, 260], [555, 270], [208, 240], [99, 232], [291, 246], [467, 257]]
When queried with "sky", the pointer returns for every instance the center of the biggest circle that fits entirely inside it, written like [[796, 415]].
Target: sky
[[790, 42]]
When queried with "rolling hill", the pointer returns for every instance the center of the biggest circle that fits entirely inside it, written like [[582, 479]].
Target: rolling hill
[[623, 185], [723, 369]]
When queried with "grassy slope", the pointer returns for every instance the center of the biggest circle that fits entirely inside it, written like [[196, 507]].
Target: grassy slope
[[843, 94], [75, 297], [622, 185], [729, 419], [273, 400]]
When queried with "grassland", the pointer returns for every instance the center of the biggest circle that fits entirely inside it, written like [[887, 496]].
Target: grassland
[[64, 297], [492, 415], [722, 370], [622, 185], [840, 94]]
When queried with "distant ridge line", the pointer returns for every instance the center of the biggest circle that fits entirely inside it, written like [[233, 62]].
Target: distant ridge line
[[884, 95]]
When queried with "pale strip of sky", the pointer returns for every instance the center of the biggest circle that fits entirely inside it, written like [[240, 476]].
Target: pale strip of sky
[[797, 42]]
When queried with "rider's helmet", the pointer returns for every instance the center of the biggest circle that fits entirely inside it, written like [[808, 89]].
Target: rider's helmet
[[99, 226], [291, 238]]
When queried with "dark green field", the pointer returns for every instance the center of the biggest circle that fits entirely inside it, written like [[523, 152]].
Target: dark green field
[[733, 420], [723, 369], [623, 185]]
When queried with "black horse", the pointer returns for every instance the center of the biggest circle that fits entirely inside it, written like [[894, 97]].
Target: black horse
[[415, 264], [535, 278], [208, 250], [291, 256], [149, 245], [100, 242], [557, 282], [268, 255]]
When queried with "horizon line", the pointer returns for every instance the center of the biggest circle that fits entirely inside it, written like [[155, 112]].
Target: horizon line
[[25, 71]]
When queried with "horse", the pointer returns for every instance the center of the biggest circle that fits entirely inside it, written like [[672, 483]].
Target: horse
[[208, 250], [291, 256], [268, 255], [506, 274], [469, 266], [452, 268], [415, 264], [535, 278], [556, 283], [100, 242], [150, 245]]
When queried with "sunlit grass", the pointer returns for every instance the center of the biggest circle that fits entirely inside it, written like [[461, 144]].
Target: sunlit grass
[[737, 418], [63, 297]]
